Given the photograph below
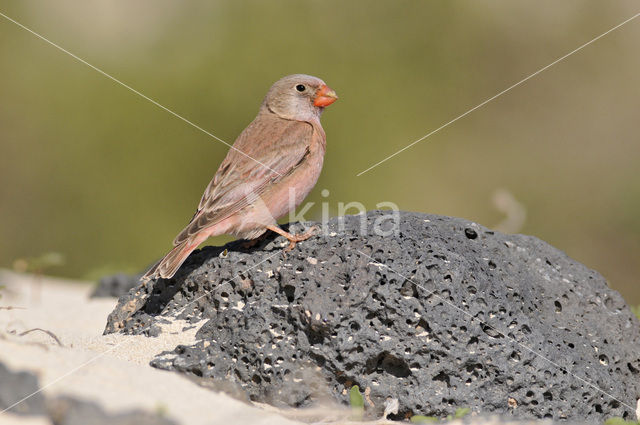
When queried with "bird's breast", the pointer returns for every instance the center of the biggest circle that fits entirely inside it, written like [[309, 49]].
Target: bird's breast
[[290, 192]]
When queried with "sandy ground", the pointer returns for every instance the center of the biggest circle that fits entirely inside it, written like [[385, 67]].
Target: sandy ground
[[110, 370]]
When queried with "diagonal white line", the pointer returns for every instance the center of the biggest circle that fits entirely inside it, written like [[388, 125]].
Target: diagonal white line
[[506, 335], [93, 359], [136, 92], [498, 95], [60, 378]]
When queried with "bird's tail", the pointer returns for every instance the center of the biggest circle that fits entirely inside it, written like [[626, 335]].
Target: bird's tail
[[171, 262]]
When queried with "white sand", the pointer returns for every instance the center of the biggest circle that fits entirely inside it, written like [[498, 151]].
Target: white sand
[[111, 370]]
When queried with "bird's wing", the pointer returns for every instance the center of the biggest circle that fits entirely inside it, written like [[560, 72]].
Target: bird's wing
[[279, 145]]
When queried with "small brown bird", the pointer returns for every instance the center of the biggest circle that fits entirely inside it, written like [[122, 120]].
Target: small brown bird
[[271, 167]]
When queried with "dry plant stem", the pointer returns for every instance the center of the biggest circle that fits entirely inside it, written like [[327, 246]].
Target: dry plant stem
[[51, 334], [293, 239]]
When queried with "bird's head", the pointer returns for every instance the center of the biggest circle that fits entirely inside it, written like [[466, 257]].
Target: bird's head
[[299, 97]]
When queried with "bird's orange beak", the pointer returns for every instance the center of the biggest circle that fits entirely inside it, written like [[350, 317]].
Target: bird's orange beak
[[325, 96]]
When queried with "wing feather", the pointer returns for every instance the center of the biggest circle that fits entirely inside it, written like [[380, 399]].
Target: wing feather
[[281, 145]]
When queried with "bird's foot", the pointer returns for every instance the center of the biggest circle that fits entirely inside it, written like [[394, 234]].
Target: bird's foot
[[294, 239], [300, 237]]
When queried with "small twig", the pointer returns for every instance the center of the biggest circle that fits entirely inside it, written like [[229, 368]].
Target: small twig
[[9, 307], [51, 334]]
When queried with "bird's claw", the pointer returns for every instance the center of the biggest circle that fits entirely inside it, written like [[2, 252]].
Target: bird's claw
[[294, 239]]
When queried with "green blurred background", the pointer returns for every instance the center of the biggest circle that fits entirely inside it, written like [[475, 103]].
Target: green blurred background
[[92, 171]]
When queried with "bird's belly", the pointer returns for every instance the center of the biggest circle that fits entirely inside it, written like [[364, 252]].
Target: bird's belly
[[277, 201], [286, 196]]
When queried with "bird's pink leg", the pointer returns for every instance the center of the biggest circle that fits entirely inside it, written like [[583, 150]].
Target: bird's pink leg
[[293, 239]]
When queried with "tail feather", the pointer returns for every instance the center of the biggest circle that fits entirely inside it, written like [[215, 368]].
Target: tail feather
[[171, 262]]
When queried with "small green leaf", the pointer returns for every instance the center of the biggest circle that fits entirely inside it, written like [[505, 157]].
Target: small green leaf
[[357, 402], [355, 398], [461, 412], [635, 310], [419, 419], [618, 421]]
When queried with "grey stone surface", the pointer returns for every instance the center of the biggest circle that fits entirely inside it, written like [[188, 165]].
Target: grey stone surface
[[116, 285], [444, 314], [16, 385]]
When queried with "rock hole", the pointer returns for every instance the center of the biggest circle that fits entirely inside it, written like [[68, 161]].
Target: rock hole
[[442, 377], [408, 289], [423, 326], [491, 331], [289, 291], [387, 363], [470, 233], [558, 306]]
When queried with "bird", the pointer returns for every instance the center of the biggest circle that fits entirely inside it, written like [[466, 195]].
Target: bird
[[269, 170]]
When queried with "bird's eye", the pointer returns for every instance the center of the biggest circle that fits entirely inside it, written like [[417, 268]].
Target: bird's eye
[[300, 87]]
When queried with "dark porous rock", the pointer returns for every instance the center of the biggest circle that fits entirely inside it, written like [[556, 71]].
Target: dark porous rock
[[71, 411], [16, 386], [115, 285], [442, 314]]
